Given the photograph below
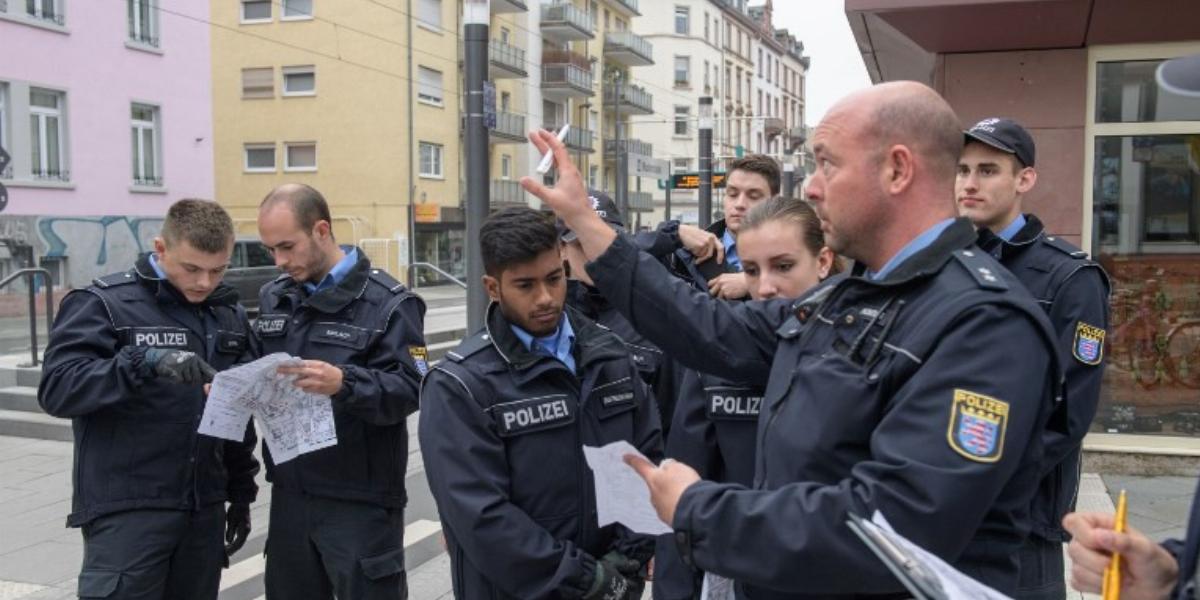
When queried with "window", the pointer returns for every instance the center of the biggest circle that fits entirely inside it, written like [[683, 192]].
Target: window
[[300, 81], [593, 177], [505, 34], [297, 9], [683, 67], [45, 10], [429, 86], [505, 166], [46, 135], [607, 21], [760, 62], [431, 160], [681, 165], [429, 12], [144, 127], [683, 20], [706, 79], [7, 172], [682, 124], [258, 82], [1126, 92], [143, 25], [260, 158], [706, 27], [256, 11], [257, 255], [300, 156]]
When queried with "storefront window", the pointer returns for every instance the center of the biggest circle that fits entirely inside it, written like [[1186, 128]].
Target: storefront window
[[1126, 92], [1146, 233], [445, 248]]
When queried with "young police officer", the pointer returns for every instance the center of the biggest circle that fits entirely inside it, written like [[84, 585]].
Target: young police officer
[[127, 362], [503, 420], [883, 392], [337, 522], [994, 174]]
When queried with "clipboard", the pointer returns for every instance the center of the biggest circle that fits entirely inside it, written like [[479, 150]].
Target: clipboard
[[915, 576]]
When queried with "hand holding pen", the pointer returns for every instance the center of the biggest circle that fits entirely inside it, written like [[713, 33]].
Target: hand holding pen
[[1147, 570]]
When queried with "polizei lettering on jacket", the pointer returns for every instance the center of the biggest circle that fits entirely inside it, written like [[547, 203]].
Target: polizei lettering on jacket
[[271, 324], [734, 403], [160, 338], [534, 414]]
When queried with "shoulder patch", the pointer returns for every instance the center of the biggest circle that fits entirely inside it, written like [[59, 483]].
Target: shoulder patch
[[977, 426], [386, 280], [420, 357], [470, 346], [1063, 246], [1089, 343], [980, 267], [115, 279]]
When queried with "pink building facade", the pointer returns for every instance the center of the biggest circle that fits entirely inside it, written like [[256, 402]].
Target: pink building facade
[[106, 109]]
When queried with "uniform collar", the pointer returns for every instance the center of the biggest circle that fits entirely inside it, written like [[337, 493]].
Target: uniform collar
[[731, 255], [330, 300], [559, 344], [151, 275], [592, 342], [1011, 230], [958, 234], [337, 273], [998, 246], [913, 247]]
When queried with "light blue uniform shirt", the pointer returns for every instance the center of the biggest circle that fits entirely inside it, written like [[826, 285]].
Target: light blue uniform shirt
[[557, 344], [157, 269], [337, 273], [918, 244], [1007, 233], [731, 257]]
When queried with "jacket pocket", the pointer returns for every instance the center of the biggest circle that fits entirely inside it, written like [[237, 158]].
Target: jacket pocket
[[98, 584], [383, 565]]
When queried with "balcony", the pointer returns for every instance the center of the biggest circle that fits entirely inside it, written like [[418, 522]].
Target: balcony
[[578, 138], [510, 129], [36, 11], [772, 126], [508, 6], [506, 193], [566, 23], [562, 81], [796, 136], [633, 101], [628, 49], [507, 61], [641, 202], [629, 146], [628, 8]]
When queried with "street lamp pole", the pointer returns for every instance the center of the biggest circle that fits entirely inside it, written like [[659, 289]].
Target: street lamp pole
[[789, 173], [476, 18], [706, 132]]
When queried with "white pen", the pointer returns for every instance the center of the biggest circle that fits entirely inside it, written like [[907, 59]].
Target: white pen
[[548, 159]]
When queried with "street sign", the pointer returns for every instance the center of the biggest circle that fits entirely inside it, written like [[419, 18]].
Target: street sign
[[489, 105], [644, 166], [691, 180]]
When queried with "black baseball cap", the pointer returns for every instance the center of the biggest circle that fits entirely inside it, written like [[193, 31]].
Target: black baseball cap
[[1180, 76], [1004, 135], [604, 206]]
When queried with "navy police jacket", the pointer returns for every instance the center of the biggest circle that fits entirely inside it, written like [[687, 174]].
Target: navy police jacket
[[501, 433], [371, 327], [1074, 293], [136, 445], [1187, 555], [881, 396]]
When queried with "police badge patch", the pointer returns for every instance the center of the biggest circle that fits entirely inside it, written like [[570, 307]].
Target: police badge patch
[[1089, 344], [420, 358], [977, 426]]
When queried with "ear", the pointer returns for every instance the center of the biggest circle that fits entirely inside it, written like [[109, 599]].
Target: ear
[[898, 169], [1026, 179], [322, 229], [160, 245], [824, 262], [492, 285]]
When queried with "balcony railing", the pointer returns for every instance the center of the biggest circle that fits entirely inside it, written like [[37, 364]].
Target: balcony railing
[[508, 6], [633, 99], [566, 21], [796, 135], [630, 146], [773, 126], [148, 181], [577, 138], [570, 76], [51, 175], [52, 17], [507, 56], [629, 5], [505, 192], [144, 38], [629, 48], [510, 127]]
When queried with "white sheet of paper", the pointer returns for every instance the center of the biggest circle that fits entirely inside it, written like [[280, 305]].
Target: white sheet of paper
[[716, 587], [955, 583], [621, 495]]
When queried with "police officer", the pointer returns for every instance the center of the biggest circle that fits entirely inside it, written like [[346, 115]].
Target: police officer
[[504, 417], [127, 361], [995, 173], [882, 392], [337, 522]]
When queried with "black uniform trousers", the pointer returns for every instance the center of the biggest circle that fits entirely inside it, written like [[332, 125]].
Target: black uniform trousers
[[154, 554], [322, 547]]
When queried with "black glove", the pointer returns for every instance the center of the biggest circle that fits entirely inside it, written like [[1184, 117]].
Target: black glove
[[237, 528], [180, 366], [609, 584], [634, 571]]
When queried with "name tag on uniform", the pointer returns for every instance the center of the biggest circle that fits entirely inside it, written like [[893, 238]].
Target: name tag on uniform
[[271, 325], [733, 402], [533, 414], [340, 334], [159, 337], [231, 342], [614, 397]]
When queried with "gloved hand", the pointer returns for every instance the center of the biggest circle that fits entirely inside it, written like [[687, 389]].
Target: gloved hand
[[609, 584], [633, 571], [180, 366], [237, 528]]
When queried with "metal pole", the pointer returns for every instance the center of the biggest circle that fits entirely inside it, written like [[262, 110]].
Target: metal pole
[[475, 138], [789, 173], [622, 167], [667, 211], [33, 342], [706, 131]]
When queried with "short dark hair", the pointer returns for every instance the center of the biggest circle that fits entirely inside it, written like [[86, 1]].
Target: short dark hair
[[515, 236], [306, 203], [201, 223], [761, 164], [792, 210]]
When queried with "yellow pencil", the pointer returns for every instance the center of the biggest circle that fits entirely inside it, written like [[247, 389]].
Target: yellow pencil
[[1112, 574]]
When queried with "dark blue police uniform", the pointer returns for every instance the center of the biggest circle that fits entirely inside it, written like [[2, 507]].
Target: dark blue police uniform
[[337, 522], [1074, 293], [882, 395], [1187, 554], [149, 491], [684, 265], [501, 433]]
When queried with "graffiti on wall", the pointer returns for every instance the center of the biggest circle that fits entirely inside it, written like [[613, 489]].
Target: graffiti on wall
[[91, 246]]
